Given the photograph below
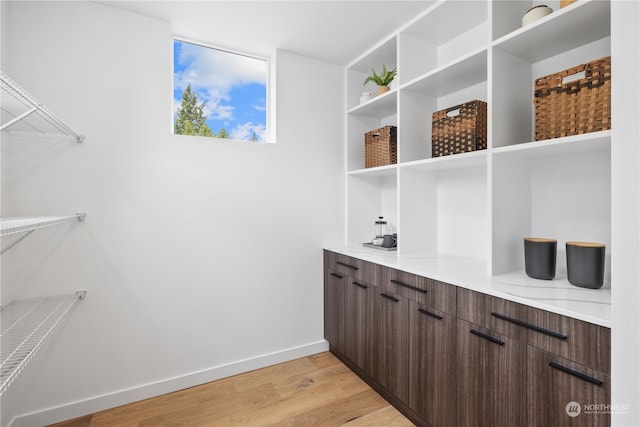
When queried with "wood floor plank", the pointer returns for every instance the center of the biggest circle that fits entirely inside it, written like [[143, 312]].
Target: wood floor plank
[[387, 416], [317, 390]]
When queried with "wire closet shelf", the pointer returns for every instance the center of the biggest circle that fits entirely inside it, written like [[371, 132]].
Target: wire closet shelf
[[10, 226], [26, 326], [17, 105]]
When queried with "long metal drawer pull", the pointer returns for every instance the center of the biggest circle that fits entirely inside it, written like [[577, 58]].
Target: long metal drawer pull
[[575, 373], [360, 285], [336, 275], [530, 326], [486, 337], [428, 313], [399, 283], [389, 297], [353, 267]]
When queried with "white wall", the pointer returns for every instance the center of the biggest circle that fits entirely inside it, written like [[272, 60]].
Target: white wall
[[201, 258]]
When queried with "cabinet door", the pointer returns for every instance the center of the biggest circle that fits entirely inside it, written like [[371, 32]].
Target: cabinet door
[[491, 378], [563, 393], [432, 366], [359, 324], [334, 310], [391, 342]]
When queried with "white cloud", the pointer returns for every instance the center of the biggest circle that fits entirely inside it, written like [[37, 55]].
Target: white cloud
[[245, 131], [213, 74], [205, 68], [260, 105]]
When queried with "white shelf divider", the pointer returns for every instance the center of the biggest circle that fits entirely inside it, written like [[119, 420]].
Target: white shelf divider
[[26, 325]]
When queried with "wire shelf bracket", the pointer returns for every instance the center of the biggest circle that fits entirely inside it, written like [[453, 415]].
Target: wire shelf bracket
[[28, 225], [17, 105], [26, 326]]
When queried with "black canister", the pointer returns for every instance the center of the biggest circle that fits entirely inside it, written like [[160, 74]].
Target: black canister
[[540, 257], [585, 264]]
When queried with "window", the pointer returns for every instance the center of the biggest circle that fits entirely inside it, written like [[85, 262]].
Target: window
[[218, 94]]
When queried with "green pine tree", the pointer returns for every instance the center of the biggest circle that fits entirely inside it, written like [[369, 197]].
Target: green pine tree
[[254, 137], [190, 119], [223, 134]]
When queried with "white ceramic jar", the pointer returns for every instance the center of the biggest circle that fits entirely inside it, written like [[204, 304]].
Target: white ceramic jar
[[535, 13]]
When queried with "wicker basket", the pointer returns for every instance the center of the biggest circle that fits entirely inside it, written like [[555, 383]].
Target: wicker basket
[[381, 147], [459, 129], [574, 107]]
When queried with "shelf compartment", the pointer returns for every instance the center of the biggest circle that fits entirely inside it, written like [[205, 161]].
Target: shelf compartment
[[453, 84], [594, 141], [380, 171], [385, 53], [513, 110], [26, 326], [16, 225], [570, 27], [452, 77], [371, 195], [457, 161], [552, 189], [445, 32], [380, 106], [443, 207], [21, 111]]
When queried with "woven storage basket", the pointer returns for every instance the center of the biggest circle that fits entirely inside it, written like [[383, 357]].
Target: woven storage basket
[[577, 106], [381, 147], [465, 131]]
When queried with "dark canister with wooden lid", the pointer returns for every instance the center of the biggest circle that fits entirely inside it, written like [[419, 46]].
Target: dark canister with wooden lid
[[585, 264], [540, 257]]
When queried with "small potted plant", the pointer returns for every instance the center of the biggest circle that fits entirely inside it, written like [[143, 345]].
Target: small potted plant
[[383, 79]]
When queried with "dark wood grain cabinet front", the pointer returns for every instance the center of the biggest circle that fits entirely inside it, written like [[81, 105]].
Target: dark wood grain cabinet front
[[335, 292], [360, 324], [349, 266], [391, 343], [491, 378], [574, 339], [564, 393], [432, 367], [435, 294], [447, 356]]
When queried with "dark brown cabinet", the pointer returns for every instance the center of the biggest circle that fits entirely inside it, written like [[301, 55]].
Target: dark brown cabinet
[[335, 291], [449, 356], [491, 378], [391, 343], [567, 361], [359, 324], [334, 303], [432, 367], [563, 393]]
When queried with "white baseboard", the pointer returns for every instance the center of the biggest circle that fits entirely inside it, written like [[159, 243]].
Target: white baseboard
[[134, 394]]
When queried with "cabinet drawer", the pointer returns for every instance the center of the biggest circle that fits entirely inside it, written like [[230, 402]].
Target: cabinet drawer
[[563, 393], [477, 308], [352, 267], [431, 293], [574, 339]]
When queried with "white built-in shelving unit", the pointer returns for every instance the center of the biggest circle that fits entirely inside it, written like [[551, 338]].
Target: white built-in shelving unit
[[479, 204], [26, 324]]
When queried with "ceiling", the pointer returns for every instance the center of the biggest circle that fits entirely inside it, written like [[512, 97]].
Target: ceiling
[[333, 31]]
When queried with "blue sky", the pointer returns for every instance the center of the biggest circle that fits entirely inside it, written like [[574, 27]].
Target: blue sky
[[233, 86]]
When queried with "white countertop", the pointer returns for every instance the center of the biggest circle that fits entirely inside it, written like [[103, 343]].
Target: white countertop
[[557, 295]]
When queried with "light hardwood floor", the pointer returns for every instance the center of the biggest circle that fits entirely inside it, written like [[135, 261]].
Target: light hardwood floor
[[312, 391]]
